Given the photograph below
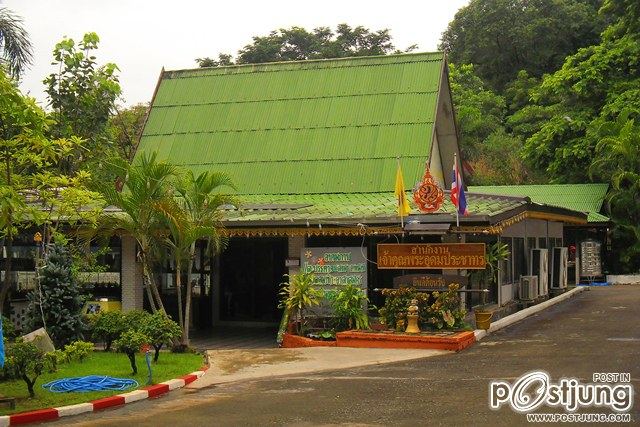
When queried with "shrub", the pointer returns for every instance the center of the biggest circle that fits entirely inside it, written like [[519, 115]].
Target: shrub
[[348, 307], [25, 361], [59, 299], [135, 319], [161, 330], [130, 343], [298, 294], [445, 310], [78, 350], [55, 358], [8, 329], [397, 302], [108, 326]]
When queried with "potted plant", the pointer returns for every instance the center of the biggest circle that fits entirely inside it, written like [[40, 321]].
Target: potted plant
[[497, 252], [348, 306], [297, 295]]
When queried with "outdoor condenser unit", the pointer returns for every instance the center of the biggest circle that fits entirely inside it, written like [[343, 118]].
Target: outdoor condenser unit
[[528, 288], [539, 266], [559, 265]]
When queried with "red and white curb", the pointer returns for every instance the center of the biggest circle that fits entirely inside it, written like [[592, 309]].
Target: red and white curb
[[148, 392]]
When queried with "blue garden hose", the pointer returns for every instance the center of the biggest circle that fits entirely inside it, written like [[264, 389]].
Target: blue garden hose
[[89, 383]]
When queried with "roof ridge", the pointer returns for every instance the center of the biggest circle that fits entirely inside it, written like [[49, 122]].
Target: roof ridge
[[299, 98], [323, 61]]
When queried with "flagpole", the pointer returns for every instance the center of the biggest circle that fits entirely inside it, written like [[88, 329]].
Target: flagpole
[[455, 171], [400, 200]]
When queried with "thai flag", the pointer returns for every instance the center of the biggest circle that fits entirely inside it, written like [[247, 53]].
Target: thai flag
[[457, 191]]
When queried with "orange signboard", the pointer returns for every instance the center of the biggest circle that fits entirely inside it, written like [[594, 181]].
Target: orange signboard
[[447, 256]]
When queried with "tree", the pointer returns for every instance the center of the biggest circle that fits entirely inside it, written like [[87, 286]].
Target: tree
[[56, 304], [146, 192], [494, 154], [82, 96], [618, 157], [593, 86], [25, 361], [161, 330], [479, 110], [129, 343], [107, 326], [28, 160], [125, 127], [194, 215], [297, 44], [15, 47], [502, 37]]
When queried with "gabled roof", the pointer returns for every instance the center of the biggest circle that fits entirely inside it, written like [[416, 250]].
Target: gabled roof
[[325, 126], [586, 198]]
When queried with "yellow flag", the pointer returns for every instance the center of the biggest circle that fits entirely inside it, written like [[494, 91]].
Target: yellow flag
[[403, 204]]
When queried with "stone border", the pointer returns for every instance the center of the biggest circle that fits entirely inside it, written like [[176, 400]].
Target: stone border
[[148, 392], [522, 314]]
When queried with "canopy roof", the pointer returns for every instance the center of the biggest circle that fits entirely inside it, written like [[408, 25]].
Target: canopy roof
[[587, 198]]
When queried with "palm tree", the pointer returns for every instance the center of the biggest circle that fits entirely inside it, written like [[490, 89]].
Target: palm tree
[[15, 47], [147, 189], [618, 159], [194, 215]]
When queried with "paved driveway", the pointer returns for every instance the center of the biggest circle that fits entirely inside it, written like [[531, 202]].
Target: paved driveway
[[597, 331]]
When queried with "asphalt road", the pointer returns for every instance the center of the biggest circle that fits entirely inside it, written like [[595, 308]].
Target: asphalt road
[[597, 331]]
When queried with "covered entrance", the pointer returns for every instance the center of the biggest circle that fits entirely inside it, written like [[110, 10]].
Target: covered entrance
[[251, 271]]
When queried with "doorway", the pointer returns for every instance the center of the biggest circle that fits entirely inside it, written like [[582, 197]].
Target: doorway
[[251, 271]]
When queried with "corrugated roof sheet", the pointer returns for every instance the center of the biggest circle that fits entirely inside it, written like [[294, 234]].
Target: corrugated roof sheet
[[579, 197], [358, 207], [326, 126]]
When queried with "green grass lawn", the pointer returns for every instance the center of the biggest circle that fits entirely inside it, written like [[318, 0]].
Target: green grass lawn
[[169, 366]]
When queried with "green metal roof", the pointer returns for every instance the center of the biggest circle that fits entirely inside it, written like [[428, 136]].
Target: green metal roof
[[358, 207], [578, 197], [326, 126]]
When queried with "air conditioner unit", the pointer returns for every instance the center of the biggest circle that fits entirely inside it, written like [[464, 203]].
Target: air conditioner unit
[[559, 267], [539, 266], [528, 288]]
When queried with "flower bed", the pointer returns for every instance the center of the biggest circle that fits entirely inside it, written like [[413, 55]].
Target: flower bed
[[452, 341]]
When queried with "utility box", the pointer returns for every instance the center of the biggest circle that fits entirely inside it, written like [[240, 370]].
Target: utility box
[[528, 288], [590, 259], [539, 266], [559, 268], [103, 304]]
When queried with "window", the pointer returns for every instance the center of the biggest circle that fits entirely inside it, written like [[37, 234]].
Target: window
[[506, 266], [519, 259]]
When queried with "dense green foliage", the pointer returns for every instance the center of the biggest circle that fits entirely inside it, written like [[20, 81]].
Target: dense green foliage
[[298, 295], [83, 95], [348, 305], [502, 37], [57, 302], [129, 343], [161, 330], [26, 362], [297, 43], [78, 350], [437, 310], [107, 326]]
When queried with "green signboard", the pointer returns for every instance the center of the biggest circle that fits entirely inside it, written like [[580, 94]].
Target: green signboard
[[335, 267]]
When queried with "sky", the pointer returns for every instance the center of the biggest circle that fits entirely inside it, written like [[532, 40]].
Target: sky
[[142, 36]]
